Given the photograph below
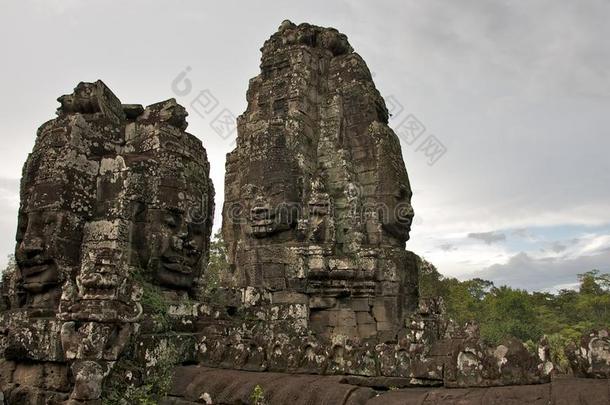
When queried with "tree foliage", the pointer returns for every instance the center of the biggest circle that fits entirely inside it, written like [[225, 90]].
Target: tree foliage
[[11, 267], [504, 312], [217, 264]]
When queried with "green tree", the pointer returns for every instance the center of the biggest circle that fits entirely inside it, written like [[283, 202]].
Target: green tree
[[217, 264], [509, 312], [592, 305], [11, 268], [593, 283], [463, 300], [431, 282]]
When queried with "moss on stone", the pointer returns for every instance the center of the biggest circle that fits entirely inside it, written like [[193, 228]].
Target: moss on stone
[[133, 383]]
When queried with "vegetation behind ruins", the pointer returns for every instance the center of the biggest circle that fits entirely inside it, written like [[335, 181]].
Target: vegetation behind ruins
[[503, 312]]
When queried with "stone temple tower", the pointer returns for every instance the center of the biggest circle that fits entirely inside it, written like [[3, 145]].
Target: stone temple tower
[[317, 198]]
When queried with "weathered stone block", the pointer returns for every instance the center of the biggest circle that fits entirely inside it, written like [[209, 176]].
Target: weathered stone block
[[289, 297], [366, 331], [361, 304], [30, 374], [322, 302]]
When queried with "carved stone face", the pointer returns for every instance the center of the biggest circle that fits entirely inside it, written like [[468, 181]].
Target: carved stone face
[[262, 217], [396, 212], [100, 275], [48, 239], [272, 213], [171, 247], [173, 223], [270, 185], [105, 289]]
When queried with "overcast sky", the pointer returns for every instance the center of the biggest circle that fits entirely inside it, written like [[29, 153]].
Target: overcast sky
[[518, 93]]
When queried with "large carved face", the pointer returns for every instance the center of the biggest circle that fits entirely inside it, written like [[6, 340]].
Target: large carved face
[[172, 227], [48, 242], [105, 290], [272, 189], [395, 210], [175, 246], [271, 211], [171, 238]]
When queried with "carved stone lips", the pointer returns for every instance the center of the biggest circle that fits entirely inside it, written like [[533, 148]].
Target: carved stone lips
[[176, 264], [38, 277], [32, 268], [262, 220], [262, 229]]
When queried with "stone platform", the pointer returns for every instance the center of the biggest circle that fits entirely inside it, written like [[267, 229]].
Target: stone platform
[[197, 385]]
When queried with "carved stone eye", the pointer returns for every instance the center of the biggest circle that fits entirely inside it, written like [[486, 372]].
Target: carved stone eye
[[50, 220], [170, 221]]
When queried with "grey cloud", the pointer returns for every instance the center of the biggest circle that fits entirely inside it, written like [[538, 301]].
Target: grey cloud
[[447, 247], [9, 197], [7, 183], [558, 247], [521, 232], [523, 271], [488, 237]]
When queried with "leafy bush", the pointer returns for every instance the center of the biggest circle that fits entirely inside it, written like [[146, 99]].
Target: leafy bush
[[130, 383]]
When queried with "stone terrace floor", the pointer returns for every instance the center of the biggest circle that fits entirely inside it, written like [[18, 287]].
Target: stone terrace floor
[[200, 385]]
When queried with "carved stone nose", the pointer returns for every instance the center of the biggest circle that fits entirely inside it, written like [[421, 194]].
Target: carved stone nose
[[32, 246], [178, 242]]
